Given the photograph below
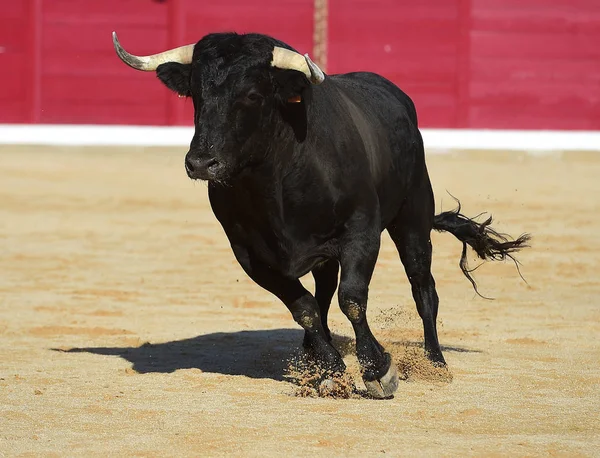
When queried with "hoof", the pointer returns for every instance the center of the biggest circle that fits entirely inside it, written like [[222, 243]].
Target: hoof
[[326, 386], [437, 359], [337, 386], [385, 386]]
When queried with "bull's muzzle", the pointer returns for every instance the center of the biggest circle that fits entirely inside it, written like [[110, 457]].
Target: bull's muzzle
[[203, 168]]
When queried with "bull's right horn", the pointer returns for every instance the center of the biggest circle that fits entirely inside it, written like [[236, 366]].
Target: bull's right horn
[[287, 59], [182, 55]]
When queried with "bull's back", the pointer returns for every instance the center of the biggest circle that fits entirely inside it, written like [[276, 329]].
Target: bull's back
[[386, 121]]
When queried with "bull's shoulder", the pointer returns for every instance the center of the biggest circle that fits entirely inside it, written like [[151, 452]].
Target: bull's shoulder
[[367, 88]]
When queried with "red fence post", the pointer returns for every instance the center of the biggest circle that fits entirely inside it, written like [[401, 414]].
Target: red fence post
[[34, 59], [320, 32], [176, 33], [463, 67]]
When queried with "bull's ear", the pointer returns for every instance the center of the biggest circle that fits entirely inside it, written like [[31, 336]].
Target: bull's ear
[[176, 77], [290, 85], [293, 97]]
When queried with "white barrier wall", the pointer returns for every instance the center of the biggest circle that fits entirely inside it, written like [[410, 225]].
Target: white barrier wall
[[436, 140]]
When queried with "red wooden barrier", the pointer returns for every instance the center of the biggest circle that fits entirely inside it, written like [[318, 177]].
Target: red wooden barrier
[[534, 64], [466, 63]]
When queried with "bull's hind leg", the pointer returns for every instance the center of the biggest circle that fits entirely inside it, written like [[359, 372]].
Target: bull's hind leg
[[410, 231], [357, 262]]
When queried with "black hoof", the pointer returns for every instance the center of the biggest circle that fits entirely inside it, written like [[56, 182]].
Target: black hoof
[[336, 386], [436, 358], [385, 385]]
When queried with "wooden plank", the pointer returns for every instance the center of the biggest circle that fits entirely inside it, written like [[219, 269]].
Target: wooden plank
[[528, 45], [110, 12], [494, 69], [537, 5], [547, 20]]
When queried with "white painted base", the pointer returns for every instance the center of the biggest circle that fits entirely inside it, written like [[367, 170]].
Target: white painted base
[[440, 140]]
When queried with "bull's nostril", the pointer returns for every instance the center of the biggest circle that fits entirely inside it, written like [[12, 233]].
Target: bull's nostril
[[212, 165], [189, 167]]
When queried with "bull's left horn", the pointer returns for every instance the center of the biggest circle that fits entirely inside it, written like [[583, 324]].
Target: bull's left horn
[[182, 55], [286, 59]]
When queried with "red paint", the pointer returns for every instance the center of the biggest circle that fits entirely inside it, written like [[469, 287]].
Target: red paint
[[529, 64], [16, 30]]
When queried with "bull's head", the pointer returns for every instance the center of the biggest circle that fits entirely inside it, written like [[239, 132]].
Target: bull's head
[[244, 88]]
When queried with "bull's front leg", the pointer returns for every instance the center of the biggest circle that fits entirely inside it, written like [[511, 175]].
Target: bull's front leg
[[358, 258], [302, 305]]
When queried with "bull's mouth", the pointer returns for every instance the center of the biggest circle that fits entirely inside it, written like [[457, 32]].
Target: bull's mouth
[[221, 179], [205, 175]]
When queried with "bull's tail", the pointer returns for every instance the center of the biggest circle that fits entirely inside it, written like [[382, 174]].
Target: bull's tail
[[485, 241]]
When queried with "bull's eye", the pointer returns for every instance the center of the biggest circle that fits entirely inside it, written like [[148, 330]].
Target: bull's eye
[[253, 97]]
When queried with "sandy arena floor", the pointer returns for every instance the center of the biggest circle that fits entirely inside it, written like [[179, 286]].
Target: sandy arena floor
[[116, 253]]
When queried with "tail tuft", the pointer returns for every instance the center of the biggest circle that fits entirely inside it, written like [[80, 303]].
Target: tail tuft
[[485, 241]]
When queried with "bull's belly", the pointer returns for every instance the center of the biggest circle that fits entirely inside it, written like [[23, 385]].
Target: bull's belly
[[302, 262], [293, 259]]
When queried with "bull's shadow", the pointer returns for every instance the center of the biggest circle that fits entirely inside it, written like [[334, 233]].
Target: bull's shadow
[[255, 354]]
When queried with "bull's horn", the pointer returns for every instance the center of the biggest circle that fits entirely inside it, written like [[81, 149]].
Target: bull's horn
[[183, 55], [286, 59]]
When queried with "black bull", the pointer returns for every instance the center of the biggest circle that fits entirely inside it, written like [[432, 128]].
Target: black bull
[[304, 177]]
